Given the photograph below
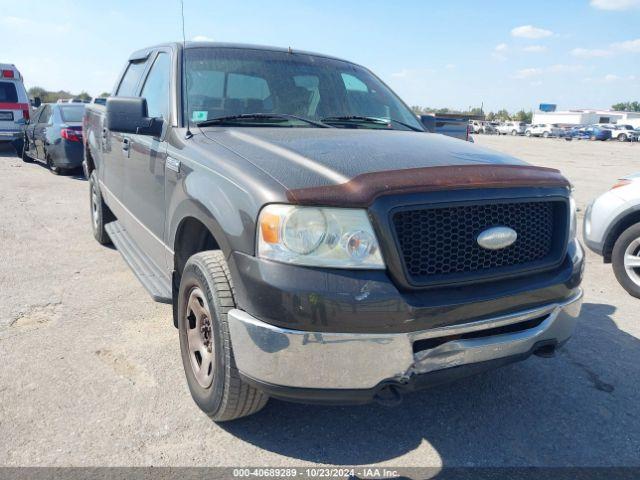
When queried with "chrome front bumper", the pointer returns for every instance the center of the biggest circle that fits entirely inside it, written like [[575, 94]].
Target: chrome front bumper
[[319, 360]]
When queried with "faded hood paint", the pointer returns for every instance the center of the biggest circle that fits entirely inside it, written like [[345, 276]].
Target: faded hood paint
[[312, 157]]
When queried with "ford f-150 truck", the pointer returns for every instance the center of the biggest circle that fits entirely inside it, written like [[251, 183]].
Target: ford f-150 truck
[[316, 244]]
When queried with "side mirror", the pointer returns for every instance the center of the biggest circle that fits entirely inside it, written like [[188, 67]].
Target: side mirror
[[36, 102], [129, 115]]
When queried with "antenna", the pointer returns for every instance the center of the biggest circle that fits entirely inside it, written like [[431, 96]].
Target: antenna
[[188, 133]]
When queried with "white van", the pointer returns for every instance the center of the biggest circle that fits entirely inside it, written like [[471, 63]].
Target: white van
[[14, 105]]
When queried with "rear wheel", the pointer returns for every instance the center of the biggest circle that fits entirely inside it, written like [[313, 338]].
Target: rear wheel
[[25, 152], [204, 299], [528, 133], [100, 213], [545, 134], [52, 166], [514, 132], [593, 138], [626, 260], [622, 137]]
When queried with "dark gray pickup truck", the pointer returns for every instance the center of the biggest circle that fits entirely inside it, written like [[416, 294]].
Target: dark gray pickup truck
[[317, 245]]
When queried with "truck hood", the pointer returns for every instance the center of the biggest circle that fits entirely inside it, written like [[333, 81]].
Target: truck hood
[[315, 157]]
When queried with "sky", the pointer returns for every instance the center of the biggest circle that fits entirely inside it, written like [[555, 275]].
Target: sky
[[439, 53]]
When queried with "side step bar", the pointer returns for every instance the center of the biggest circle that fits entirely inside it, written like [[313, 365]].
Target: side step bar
[[152, 278]]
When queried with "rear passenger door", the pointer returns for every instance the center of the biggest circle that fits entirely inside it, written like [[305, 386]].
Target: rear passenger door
[[145, 167]]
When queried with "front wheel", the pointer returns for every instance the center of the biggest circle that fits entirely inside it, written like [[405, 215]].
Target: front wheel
[[204, 299], [527, 134], [545, 135], [626, 260], [622, 137], [514, 132]]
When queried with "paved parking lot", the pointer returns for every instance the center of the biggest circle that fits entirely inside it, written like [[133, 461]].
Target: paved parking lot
[[91, 372]]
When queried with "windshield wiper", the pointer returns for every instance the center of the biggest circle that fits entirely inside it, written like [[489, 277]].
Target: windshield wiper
[[377, 120], [254, 116]]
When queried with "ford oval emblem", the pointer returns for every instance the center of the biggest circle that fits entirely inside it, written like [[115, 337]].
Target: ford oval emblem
[[497, 238]]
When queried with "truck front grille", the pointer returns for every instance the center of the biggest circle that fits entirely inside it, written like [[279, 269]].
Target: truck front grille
[[439, 244]]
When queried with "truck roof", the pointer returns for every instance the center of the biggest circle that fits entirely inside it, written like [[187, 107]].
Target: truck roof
[[144, 52]]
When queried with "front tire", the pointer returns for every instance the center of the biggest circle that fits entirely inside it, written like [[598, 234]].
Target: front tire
[[545, 135], [622, 137], [527, 134], [204, 299], [514, 132], [100, 213]]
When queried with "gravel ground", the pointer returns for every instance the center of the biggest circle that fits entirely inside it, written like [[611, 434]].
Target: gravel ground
[[91, 372]]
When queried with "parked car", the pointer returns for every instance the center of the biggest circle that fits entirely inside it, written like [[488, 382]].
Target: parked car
[[592, 132], [479, 126], [612, 230], [622, 133], [451, 125], [14, 106], [54, 136], [311, 250], [512, 128], [544, 130]]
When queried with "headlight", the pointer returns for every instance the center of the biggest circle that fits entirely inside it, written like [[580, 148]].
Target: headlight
[[322, 237], [573, 227]]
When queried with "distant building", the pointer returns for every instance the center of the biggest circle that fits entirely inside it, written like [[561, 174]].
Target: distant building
[[587, 117]]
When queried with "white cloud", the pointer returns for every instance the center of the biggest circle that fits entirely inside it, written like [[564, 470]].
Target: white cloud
[[528, 73], [202, 38], [499, 52], [412, 73], [501, 47], [536, 83], [529, 31], [450, 66], [632, 46], [535, 49], [615, 4], [553, 69], [562, 68], [611, 77], [590, 53]]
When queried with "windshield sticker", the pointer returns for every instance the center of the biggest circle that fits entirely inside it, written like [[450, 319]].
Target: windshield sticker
[[199, 115]]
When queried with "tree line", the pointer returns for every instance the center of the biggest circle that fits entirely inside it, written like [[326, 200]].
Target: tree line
[[47, 96], [501, 115]]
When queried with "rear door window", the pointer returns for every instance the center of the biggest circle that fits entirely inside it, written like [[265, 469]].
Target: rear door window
[[45, 116], [8, 92], [129, 82], [72, 114]]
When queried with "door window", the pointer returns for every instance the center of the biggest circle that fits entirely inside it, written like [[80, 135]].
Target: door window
[[129, 82], [156, 87], [45, 116]]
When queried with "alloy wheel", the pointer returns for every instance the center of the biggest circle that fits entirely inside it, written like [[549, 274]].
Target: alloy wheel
[[632, 261]]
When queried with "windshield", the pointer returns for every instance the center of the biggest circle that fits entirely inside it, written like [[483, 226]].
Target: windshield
[[72, 113], [223, 82]]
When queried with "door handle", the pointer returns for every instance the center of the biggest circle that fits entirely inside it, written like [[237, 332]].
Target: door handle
[[173, 164]]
